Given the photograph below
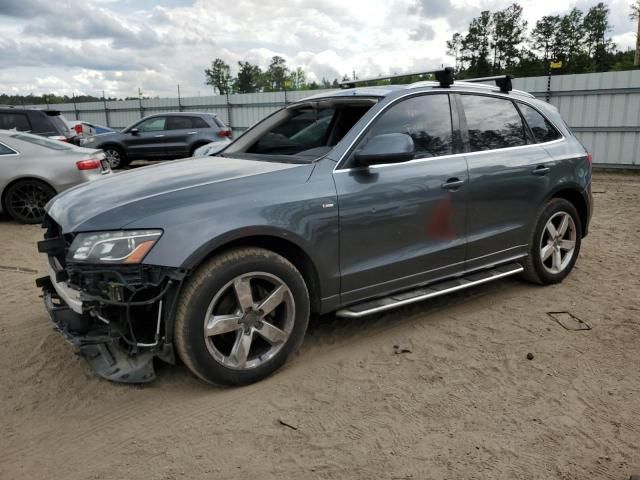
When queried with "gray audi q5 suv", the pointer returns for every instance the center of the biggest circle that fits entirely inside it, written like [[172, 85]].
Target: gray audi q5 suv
[[354, 202]]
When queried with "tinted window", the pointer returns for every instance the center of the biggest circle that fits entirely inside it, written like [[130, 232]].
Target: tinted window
[[60, 124], [183, 123], [427, 119], [4, 150], [197, 122], [542, 130], [492, 123], [19, 121], [152, 125]]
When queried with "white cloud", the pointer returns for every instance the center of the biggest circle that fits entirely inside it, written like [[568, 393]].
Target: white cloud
[[120, 45]]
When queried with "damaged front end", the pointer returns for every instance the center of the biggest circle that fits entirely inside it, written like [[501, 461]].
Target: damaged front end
[[118, 314]]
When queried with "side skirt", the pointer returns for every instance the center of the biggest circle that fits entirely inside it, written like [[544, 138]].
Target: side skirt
[[435, 290]]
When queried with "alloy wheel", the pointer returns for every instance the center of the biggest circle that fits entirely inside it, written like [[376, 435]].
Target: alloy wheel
[[558, 242], [27, 201], [113, 156], [249, 320]]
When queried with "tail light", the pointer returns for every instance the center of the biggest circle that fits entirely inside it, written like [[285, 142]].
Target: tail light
[[589, 158], [224, 133], [89, 164], [78, 128]]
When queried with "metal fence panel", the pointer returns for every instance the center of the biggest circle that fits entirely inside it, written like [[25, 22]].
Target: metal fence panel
[[602, 108]]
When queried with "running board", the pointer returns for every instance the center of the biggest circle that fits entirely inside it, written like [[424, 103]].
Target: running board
[[434, 290]]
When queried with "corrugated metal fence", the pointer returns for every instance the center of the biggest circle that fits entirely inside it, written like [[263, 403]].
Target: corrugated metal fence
[[602, 108]]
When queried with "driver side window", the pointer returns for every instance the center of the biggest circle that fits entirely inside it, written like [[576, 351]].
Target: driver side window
[[155, 124], [426, 119]]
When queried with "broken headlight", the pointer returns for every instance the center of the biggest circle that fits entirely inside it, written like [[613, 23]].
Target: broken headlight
[[124, 246]]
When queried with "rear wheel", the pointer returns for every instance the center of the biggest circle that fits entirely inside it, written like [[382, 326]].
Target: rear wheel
[[555, 245], [116, 157], [241, 315], [25, 200]]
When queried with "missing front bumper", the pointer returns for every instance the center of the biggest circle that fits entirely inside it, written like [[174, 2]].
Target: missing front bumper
[[96, 345]]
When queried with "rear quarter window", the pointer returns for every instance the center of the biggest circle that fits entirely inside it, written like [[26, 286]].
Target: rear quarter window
[[4, 150], [542, 129]]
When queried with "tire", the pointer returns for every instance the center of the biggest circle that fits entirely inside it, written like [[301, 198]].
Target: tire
[[269, 337], [192, 152], [25, 200], [117, 158], [543, 265]]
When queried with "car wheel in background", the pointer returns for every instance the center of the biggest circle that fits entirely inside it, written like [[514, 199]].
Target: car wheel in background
[[24, 201], [240, 316], [116, 157], [555, 245]]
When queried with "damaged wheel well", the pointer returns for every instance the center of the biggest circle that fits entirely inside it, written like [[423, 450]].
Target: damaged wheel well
[[287, 249]]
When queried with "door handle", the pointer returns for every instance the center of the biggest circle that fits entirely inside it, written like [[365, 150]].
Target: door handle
[[191, 133], [452, 184], [158, 136], [541, 170]]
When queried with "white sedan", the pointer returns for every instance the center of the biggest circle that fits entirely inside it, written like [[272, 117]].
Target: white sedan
[[34, 169]]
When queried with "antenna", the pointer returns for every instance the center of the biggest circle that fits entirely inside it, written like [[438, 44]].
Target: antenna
[[443, 75]]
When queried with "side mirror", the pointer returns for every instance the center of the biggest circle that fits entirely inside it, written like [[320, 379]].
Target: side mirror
[[386, 148], [134, 131]]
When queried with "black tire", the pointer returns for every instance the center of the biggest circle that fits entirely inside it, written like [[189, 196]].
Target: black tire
[[116, 156], [535, 269], [212, 280], [25, 200]]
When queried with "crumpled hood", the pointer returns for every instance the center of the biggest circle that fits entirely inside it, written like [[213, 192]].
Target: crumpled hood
[[115, 201]]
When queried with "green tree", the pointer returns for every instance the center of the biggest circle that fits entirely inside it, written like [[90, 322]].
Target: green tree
[[297, 79], [596, 26], [507, 35], [219, 76], [570, 38], [476, 44], [543, 36], [454, 49], [276, 75], [249, 79]]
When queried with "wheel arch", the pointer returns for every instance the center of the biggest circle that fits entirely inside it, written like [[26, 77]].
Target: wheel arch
[[574, 195], [285, 247]]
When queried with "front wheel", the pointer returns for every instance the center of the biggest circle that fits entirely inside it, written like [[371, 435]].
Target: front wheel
[[241, 315], [555, 245]]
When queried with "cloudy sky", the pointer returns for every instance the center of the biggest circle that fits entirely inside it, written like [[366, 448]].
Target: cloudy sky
[[85, 46]]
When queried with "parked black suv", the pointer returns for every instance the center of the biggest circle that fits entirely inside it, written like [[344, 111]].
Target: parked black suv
[[47, 123], [355, 202], [163, 136]]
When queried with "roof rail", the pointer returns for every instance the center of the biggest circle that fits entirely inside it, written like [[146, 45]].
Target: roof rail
[[443, 75], [503, 82]]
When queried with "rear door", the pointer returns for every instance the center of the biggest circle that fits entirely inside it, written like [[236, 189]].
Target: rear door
[[507, 178], [181, 130], [149, 141], [403, 224]]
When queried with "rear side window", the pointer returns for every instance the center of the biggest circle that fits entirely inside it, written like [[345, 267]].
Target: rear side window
[[427, 119], [197, 122], [493, 123], [19, 121], [4, 150], [542, 129]]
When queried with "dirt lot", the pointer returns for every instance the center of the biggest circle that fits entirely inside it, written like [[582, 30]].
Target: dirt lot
[[463, 403]]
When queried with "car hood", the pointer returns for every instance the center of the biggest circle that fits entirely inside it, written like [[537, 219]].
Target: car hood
[[117, 200]]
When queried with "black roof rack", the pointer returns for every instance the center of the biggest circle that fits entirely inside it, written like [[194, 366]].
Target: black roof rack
[[503, 82], [443, 75]]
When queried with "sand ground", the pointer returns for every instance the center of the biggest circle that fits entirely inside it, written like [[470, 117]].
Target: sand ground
[[463, 403]]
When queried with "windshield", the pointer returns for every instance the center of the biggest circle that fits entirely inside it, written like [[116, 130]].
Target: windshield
[[301, 133], [42, 141]]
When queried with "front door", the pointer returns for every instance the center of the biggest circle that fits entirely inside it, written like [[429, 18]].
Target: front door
[[403, 224], [149, 140]]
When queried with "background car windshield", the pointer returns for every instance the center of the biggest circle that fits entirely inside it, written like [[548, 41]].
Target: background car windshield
[[304, 129], [42, 141]]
